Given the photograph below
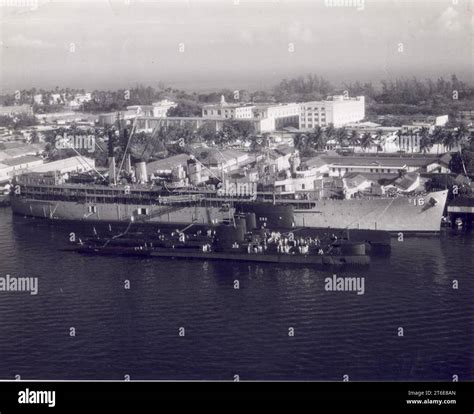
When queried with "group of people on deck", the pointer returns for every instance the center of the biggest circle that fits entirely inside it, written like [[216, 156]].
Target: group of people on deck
[[285, 244]]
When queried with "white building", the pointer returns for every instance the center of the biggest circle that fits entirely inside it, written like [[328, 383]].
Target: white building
[[338, 166], [267, 117], [274, 117], [83, 97], [244, 112], [337, 110], [355, 183], [66, 165], [300, 181], [38, 99], [224, 110], [16, 110], [160, 109], [14, 166], [56, 98]]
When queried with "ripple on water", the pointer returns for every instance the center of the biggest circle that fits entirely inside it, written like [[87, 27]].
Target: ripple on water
[[229, 331]]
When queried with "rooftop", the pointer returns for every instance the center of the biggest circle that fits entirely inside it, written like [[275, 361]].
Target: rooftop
[[355, 179], [64, 163], [380, 161], [406, 181], [167, 164], [27, 149], [21, 160], [214, 156]]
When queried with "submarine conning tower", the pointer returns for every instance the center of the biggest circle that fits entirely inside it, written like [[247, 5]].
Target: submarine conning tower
[[270, 215]]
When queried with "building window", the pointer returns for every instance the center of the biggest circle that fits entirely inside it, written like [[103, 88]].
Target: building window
[[142, 211], [92, 209]]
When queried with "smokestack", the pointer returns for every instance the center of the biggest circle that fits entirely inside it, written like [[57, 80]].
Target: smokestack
[[112, 173], [110, 145], [128, 164], [125, 138], [111, 158], [140, 169]]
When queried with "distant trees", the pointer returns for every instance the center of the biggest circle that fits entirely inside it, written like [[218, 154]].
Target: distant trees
[[309, 87], [185, 108], [234, 129], [17, 121], [399, 97]]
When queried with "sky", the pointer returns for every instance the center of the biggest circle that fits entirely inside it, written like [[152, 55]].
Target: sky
[[251, 44]]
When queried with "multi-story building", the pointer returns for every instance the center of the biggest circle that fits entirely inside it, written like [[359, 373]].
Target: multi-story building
[[14, 166], [16, 110], [267, 117], [337, 110], [274, 117], [244, 112], [224, 110]]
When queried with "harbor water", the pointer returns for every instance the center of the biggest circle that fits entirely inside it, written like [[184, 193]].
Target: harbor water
[[113, 317]]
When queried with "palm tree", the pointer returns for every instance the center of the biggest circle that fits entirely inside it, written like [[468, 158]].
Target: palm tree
[[438, 137], [317, 138], [378, 138], [341, 136], [425, 140], [300, 142], [366, 141], [426, 144], [329, 132], [399, 134], [449, 140], [462, 133], [354, 139]]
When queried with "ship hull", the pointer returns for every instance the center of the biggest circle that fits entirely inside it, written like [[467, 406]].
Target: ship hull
[[403, 214], [68, 210]]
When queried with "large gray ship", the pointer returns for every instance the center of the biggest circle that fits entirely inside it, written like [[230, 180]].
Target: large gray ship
[[48, 196]]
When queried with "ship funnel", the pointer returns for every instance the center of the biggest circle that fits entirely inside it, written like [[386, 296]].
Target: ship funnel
[[140, 169], [128, 164], [112, 172], [110, 145]]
